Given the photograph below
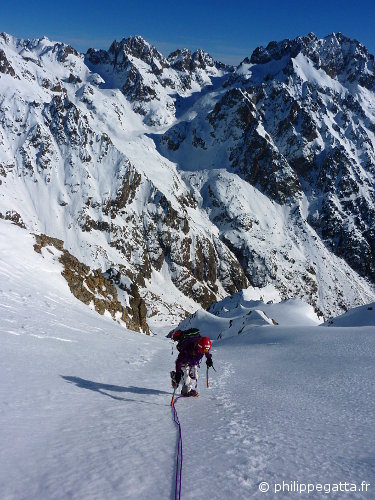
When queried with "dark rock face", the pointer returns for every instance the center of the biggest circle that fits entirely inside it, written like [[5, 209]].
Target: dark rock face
[[137, 47], [264, 167], [184, 60], [93, 286], [5, 66], [63, 51], [13, 216], [278, 50], [180, 60]]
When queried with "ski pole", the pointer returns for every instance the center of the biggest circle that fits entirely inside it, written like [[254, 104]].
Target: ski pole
[[207, 385]]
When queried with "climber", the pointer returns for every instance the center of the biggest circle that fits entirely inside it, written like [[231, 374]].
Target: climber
[[192, 347]]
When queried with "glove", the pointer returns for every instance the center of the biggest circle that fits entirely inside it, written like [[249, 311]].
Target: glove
[[209, 362]]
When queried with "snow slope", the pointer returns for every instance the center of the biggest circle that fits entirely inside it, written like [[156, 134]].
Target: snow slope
[[358, 316], [85, 403], [239, 314], [73, 386]]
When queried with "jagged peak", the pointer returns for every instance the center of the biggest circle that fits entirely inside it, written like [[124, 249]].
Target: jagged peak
[[277, 50], [340, 38], [6, 38], [336, 53], [346, 44], [130, 42], [185, 60], [137, 46], [178, 54], [203, 57]]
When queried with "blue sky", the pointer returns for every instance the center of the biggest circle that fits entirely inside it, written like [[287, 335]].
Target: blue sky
[[229, 30]]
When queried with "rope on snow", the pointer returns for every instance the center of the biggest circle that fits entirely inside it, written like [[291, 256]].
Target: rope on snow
[[177, 493]]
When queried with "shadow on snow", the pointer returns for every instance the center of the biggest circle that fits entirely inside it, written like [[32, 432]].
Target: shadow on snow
[[101, 388]]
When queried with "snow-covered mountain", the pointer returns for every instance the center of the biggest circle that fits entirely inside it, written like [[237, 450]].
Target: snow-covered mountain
[[358, 316], [242, 312], [178, 180]]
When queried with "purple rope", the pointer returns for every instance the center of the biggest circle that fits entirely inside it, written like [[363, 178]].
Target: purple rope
[[177, 493]]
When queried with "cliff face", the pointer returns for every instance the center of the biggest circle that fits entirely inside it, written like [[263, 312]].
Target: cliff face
[[180, 180]]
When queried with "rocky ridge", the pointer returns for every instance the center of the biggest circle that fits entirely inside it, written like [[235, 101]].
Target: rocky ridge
[[92, 287]]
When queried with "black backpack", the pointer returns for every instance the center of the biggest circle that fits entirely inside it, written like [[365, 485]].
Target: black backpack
[[185, 337]]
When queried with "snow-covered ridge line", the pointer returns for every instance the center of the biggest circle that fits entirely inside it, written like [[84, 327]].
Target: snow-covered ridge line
[[247, 311]]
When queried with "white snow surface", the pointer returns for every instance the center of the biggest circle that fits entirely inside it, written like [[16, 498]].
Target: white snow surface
[[237, 314], [358, 316], [85, 403]]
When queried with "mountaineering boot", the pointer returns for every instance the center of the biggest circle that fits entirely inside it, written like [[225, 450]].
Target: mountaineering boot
[[192, 393], [184, 391]]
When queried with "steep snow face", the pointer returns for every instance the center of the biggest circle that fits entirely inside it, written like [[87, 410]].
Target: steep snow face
[[359, 316], [275, 243], [150, 81]]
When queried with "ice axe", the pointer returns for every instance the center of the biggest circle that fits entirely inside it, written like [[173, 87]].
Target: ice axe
[[174, 392], [174, 385], [207, 384]]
